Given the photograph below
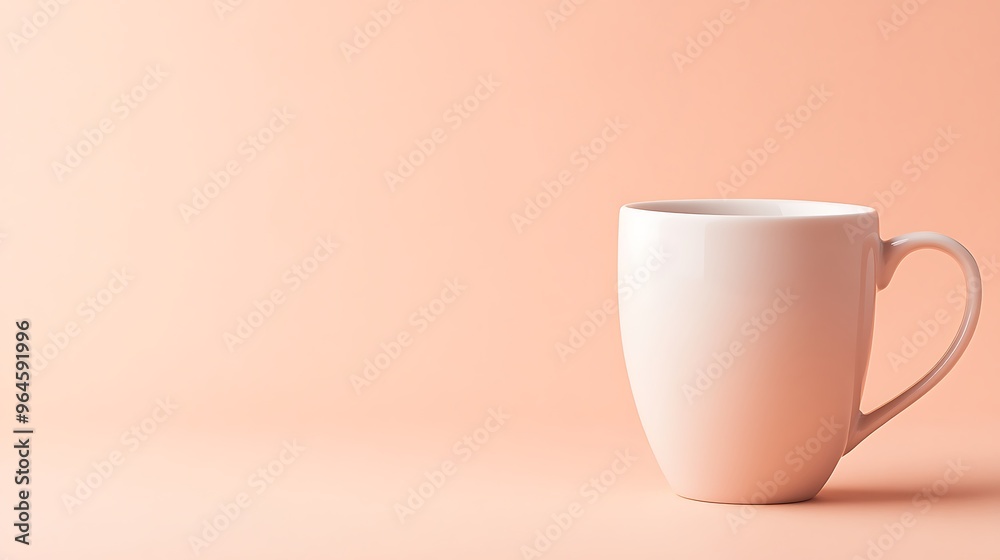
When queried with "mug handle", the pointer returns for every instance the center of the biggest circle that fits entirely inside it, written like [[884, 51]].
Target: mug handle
[[893, 252]]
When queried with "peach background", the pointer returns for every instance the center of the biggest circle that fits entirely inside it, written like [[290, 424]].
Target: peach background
[[162, 337]]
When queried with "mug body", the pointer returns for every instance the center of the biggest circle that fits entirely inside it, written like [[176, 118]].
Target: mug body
[[747, 345]]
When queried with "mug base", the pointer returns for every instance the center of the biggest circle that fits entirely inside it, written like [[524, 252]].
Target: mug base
[[741, 502]]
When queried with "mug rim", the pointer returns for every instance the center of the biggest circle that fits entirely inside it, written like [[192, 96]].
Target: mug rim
[[750, 208]]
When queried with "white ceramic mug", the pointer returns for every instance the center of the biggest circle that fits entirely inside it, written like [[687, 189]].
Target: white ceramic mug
[[747, 348]]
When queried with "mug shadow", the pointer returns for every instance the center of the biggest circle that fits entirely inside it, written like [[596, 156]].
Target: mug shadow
[[966, 491]]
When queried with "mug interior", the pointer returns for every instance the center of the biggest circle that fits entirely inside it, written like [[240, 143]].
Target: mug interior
[[752, 207]]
